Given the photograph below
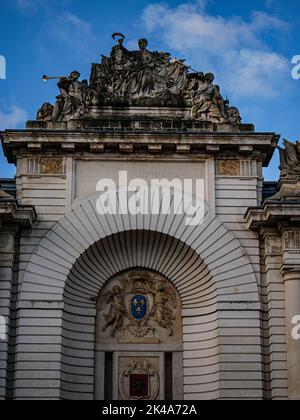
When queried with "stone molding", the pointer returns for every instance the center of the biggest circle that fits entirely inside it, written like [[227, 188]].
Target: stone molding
[[260, 146], [13, 215], [278, 224]]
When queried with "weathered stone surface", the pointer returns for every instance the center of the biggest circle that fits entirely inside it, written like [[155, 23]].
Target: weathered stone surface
[[221, 294], [290, 160], [141, 78]]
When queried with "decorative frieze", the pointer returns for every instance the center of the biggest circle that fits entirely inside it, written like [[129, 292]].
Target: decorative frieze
[[241, 168], [249, 168], [46, 166], [273, 246], [228, 168], [51, 166], [291, 240]]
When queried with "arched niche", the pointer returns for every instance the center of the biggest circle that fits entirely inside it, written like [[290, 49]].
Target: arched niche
[[78, 256], [139, 338]]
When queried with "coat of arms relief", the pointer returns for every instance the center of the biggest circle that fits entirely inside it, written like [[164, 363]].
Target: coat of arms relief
[[139, 306], [139, 379]]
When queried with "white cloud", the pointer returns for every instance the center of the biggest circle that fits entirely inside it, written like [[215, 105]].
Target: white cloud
[[29, 5], [14, 118], [269, 3], [257, 73], [24, 4], [236, 48], [69, 31]]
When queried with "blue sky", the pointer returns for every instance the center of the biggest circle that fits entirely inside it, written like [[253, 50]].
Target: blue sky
[[248, 45]]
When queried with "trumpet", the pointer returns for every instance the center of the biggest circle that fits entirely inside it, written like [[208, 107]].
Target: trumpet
[[46, 78], [175, 60]]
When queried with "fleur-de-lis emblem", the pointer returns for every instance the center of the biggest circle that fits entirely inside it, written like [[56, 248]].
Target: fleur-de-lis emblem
[[139, 307]]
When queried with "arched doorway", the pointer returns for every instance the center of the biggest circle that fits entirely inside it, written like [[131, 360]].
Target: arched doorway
[[139, 339]]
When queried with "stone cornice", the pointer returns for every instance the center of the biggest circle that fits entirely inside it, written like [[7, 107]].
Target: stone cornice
[[258, 145], [291, 270], [274, 215], [14, 215], [279, 227]]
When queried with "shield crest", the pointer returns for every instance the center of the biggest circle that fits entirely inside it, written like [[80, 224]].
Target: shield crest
[[139, 307], [139, 385]]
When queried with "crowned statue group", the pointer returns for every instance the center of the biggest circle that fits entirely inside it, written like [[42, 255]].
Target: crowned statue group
[[140, 78]]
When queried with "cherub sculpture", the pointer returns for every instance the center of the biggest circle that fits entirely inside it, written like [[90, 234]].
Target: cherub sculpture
[[164, 304], [115, 317]]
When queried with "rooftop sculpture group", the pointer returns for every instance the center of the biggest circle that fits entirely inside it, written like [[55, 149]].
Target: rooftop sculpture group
[[140, 78], [290, 160]]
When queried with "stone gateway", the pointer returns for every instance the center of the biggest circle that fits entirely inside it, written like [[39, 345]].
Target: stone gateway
[[143, 305]]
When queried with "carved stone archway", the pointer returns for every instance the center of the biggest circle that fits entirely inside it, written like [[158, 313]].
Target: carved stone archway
[[108, 259], [61, 284]]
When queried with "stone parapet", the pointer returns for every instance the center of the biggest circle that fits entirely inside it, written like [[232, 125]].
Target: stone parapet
[[112, 121]]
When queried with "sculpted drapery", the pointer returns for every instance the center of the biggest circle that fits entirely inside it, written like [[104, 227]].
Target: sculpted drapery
[[140, 78]]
